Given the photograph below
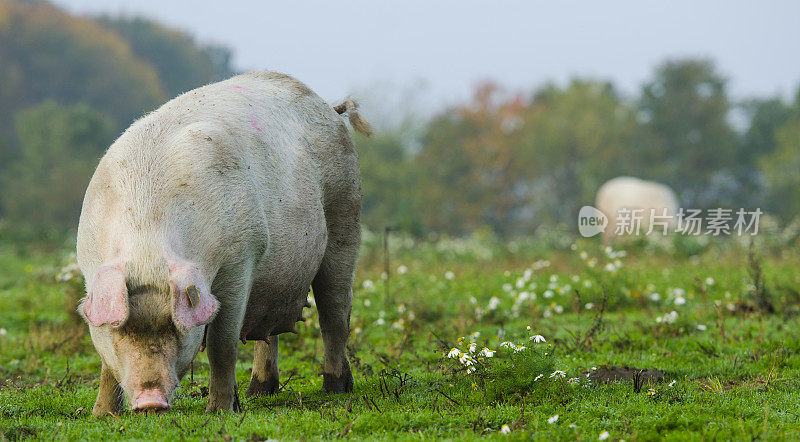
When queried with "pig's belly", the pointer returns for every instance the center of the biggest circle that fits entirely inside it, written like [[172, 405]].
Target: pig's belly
[[280, 288]]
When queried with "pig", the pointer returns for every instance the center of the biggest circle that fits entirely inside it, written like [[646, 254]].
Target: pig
[[633, 193], [205, 224]]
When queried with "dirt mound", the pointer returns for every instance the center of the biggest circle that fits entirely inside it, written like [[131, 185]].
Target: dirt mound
[[626, 374]]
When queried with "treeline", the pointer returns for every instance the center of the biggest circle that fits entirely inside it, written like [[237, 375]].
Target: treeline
[[70, 85], [516, 162], [509, 162]]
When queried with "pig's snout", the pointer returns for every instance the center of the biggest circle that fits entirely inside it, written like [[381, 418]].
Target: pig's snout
[[150, 400]]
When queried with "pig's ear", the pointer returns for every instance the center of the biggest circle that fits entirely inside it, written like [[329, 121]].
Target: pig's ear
[[192, 302], [107, 301]]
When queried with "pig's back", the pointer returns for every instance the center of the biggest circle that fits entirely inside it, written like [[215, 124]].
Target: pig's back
[[236, 169]]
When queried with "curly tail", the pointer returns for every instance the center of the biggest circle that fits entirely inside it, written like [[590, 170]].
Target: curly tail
[[358, 122]]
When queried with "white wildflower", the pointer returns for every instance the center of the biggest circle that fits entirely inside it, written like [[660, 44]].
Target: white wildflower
[[669, 318], [505, 429], [558, 373], [507, 344], [709, 281], [402, 270], [538, 377], [589, 305], [680, 300], [486, 352], [552, 419], [449, 275], [702, 327], [368, 285], [519, 348], [454, 353], [538, 338], [603, 436]]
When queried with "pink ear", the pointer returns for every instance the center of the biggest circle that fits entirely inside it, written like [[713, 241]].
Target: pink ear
[[192, 302], [107, 302]]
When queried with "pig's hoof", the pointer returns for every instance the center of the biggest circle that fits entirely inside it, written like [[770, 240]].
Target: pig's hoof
[[107, 410], [263, 388], [102, 412], [230, 403], [338, 384]]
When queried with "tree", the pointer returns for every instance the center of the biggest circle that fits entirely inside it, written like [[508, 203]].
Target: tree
[[387, 181], [512, 165], [49, 55], [765, 117], [689, 143], [182, 64], [60, 146], [574, 139], [467, 166], [780, 166]]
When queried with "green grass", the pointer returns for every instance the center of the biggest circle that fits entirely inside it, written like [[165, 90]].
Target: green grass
[[732, 365]]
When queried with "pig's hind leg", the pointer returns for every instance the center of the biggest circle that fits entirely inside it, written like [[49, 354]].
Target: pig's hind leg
[[265, 369], [333, 293]]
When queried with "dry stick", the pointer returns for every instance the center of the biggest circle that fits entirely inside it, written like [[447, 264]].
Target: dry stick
[[448, 397], [386, 300], [345, 430], [241, 420], [58, 427]]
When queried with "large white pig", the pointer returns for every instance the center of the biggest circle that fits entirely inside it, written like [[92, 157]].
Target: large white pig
[[646, 197], [216, 213]]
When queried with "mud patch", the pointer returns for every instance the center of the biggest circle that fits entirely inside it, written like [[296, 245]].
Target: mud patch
[[626, 374]]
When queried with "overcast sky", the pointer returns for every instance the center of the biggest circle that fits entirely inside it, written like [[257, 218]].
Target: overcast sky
[[342, 46]]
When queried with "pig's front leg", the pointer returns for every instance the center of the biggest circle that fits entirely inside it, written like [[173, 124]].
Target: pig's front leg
[[222, 343], [109, 398]]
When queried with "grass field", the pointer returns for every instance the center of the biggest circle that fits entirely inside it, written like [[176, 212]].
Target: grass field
[[715, 326]]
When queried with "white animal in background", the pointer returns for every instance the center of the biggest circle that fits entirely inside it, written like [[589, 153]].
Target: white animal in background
[[619, 197]]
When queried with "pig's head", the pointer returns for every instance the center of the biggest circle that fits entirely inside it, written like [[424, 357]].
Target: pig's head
[[148, 335]]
